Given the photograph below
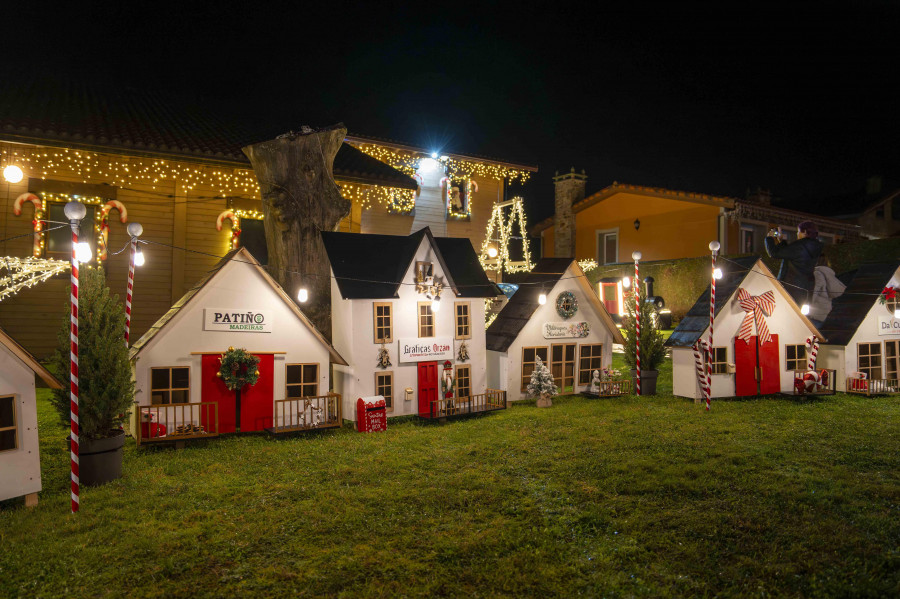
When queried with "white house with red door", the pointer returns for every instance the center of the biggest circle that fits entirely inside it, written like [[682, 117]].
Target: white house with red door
[[572, 332], [20, 465], [863, 332], [237, 304], [408, 312], [760, 335]]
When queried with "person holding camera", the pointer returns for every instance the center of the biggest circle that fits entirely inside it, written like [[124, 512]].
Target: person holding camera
[[798, 259]]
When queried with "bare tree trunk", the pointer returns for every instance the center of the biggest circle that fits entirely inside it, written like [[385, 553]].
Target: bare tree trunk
[[300, 199]]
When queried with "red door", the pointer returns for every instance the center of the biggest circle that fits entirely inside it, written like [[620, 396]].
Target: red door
[[611, 297], [428, 386], [747, 356], [256, 401]]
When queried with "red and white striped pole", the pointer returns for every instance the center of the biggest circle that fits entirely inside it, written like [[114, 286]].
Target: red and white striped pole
[[636, 256], [74, 211], [134, 230], [714, 248]]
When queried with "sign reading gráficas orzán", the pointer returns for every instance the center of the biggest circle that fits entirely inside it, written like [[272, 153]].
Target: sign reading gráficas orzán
[[425, 349]]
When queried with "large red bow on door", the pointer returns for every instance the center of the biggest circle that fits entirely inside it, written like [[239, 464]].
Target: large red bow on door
[[756, 307]]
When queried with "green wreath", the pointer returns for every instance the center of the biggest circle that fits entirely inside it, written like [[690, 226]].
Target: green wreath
[[566, 304], [238, 368]]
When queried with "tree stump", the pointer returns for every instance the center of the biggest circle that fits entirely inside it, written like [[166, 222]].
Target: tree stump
[[301, 198]]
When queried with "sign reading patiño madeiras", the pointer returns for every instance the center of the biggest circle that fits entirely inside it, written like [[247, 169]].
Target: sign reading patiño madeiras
[[425, 349], [237, 321]]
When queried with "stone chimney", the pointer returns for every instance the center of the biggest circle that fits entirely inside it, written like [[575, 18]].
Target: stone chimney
[[569, 191]]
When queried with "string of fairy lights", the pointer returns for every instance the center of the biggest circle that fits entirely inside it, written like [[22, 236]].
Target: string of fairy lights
[[500, 228], [24, 273]]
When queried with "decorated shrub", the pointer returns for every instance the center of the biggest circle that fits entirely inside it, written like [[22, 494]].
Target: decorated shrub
[[106, 389], [653, 350]]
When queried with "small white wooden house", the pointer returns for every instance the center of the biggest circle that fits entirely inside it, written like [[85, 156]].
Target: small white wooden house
[[20, 464], [236, 305], [400, 343], [745, 360], [863, 334], [572, 332]]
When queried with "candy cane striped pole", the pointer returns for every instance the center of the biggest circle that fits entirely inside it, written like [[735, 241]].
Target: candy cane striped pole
[[714, 248], [812, 351], [699, 348], [74, 211], [636, 256], [135, 230]]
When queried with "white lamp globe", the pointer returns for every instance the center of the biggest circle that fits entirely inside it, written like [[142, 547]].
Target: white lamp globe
[[714, 246], [542, 298], [635, 256], [135, 229], [626, 282], [804, 309], [74, 210], [717, 273], [12, 173]]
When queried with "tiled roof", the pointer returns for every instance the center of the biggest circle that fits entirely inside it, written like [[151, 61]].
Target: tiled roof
[[122, 119], [370, 266], [850, 309]]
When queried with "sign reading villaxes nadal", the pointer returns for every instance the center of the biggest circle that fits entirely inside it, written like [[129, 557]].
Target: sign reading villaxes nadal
[[237, 321], [425, 349]]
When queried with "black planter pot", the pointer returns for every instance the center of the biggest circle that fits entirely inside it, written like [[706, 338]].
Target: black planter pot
[[648, 381], [100, 460]]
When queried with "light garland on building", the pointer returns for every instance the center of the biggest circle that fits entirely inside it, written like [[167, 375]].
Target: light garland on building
[[24, 273], [397, 200], [587, 265], [471, 189], [499, 231]]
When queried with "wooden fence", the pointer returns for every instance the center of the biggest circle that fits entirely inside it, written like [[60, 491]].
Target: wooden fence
[[307, 413], [873, 386], [492, 399], [615, 388], [177, 422]]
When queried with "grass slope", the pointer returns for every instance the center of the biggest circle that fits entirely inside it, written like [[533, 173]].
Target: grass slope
[[626, 497]]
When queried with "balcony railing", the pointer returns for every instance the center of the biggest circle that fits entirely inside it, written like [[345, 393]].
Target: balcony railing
[[307, 413], [451, 407], [177, 422], [872, 386]]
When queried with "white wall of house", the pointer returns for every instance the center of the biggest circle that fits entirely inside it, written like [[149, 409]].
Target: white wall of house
[[241, 287], [784, 321], [508, 364], [845, 359], [353, 336], [20, 468]]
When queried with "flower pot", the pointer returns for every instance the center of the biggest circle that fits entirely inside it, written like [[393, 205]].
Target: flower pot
[[544, 401], [648, 381], [100, 460]]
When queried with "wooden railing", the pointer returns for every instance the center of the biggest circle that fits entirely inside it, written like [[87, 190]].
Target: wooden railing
[[177, 422], [872, 386], [492, 399], [615, 388], [823, 385], [306, 413]]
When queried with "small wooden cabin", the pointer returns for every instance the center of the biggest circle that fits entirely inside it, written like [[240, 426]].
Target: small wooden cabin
[[572, 332], [20, 464], [863, 333], [239, 305], [745, 360]]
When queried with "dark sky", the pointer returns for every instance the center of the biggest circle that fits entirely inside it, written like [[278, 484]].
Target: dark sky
[[707, 97]]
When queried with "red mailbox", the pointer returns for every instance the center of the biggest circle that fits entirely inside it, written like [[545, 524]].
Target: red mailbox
[[371, 414]]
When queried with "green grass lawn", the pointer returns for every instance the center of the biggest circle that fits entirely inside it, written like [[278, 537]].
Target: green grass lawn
[[625, 497]]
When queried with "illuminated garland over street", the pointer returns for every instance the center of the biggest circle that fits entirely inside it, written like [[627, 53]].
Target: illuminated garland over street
[[27, 272], [500, 232]]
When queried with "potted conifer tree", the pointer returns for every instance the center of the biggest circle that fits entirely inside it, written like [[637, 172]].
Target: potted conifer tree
[[653, 350], [542, 385], [105, 385]]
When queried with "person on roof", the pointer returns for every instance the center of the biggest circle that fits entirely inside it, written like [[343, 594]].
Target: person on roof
[[798, 259], [826, 288]]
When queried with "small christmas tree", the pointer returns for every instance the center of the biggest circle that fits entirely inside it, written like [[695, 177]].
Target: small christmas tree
[[542, 385], [653, 349]]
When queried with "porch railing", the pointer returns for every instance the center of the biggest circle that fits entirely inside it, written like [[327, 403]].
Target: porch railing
[[615, 388], [823, 385], [307, 413], [177, 422], [490, 400], [872, 386]]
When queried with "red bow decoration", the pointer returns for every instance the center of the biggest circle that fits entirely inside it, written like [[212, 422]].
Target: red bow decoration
[[757, 307], [888, 293]]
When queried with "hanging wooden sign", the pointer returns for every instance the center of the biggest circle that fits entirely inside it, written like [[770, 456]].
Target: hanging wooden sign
[[566, 330]]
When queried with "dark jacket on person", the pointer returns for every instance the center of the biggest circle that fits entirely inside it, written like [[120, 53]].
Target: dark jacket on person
[[798, 264]]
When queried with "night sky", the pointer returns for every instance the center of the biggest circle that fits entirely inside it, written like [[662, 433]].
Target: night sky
[[715, 98]]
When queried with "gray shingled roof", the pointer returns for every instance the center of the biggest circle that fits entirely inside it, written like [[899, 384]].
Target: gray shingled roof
[[849, 310], [697, 319]]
